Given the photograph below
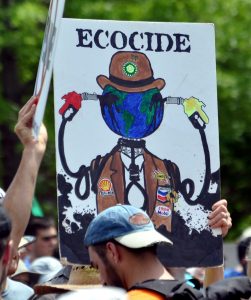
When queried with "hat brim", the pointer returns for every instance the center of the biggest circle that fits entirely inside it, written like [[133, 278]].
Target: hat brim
[[26, 240], [103, 81], [142, 239], [34, 275], [42, 289]]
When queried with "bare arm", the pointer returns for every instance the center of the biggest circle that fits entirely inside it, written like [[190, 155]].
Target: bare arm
[[18, 198], [219, 218], [213, 275]]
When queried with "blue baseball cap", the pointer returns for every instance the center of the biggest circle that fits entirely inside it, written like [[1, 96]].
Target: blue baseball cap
[[128, 225]]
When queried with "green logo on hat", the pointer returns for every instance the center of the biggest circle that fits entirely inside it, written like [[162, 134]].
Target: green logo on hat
[[130, 69]]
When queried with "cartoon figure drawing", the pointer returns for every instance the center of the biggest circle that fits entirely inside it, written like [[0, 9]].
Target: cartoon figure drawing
[[132, 106]]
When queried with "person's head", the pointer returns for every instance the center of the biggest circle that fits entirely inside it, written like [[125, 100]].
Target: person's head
[[46, 266], [117, 237], [242, 249], [5, 244], [45, 231]]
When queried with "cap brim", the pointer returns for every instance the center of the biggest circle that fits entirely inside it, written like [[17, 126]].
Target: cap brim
[[142, 239]]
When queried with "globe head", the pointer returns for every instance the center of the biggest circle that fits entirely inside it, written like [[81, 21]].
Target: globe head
[[132, 115]]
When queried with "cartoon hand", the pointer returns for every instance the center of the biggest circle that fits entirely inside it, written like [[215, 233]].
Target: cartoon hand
[[194, 106], [72, 100]]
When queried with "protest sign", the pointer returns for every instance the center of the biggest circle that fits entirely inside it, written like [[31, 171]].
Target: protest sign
[[137, 123]]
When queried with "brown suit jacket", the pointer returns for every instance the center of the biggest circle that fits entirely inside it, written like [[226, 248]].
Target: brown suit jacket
[[110, 185]]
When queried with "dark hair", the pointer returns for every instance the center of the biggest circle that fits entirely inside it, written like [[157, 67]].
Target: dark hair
[[5, 229], [39, 223], [100, 248], [243, 247], [101, 251]]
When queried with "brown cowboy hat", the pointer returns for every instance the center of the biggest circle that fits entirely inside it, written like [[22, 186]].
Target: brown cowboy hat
[[130, 71], [70, 278]]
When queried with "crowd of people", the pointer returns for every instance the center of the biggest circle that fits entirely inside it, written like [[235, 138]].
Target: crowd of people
[[121, 242]]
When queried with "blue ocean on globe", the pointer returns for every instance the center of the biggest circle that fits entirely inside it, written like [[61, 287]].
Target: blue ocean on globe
[[131, 115]]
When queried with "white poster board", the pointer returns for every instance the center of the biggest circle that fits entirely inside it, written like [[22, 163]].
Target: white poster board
[[137, 123]]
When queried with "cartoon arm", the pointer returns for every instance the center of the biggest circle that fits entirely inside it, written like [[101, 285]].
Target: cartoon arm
[[193, 109], [68, 111], [199, 119]]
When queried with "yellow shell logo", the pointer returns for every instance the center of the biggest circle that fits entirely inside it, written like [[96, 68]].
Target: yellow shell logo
[[158, 175], [105, 185]]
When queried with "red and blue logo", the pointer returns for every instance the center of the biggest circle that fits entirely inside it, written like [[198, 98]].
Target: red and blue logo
[[162, 193]]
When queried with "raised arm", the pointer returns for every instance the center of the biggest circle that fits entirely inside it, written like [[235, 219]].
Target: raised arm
[[219, 218], [18, 198]]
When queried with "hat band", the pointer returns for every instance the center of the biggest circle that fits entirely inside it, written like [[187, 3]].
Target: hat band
[[126, 83]]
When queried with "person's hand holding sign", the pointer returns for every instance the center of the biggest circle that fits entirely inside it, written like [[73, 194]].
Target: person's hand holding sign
[[23, 130], [220, 217], [18, 198]]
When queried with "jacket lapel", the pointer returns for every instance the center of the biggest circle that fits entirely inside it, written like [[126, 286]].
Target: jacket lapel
[[117, 177], [150, 181]]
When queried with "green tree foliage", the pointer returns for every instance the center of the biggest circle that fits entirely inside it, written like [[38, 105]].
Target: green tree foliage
[[22, 25]]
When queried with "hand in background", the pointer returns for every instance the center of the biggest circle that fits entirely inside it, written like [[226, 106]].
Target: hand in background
[[23, 129]]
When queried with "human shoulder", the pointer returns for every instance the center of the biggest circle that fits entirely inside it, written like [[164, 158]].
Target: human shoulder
[[163, 289], [142, 294], [153, 289]]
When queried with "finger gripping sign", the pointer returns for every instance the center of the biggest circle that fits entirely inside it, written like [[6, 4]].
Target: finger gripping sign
[[137, 123]]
